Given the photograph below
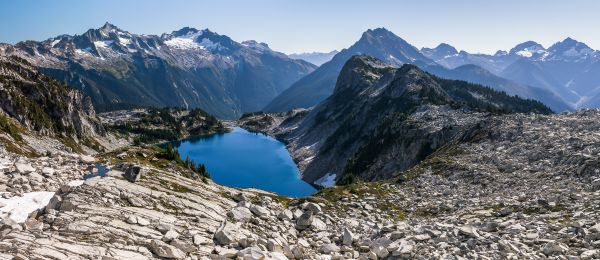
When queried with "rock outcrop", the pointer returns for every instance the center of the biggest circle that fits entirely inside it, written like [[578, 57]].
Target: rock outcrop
[[43, 104]]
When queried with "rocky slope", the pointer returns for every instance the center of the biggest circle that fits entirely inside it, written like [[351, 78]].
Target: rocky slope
[[33, 102], [393, 50], [376, 122], [491, 197], [186, 68]]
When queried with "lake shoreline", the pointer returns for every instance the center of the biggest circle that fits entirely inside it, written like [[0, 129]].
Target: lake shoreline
[[246, 159]]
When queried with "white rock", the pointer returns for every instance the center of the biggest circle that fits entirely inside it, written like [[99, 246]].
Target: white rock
[[170, 235], [24, 168], [47, 171]]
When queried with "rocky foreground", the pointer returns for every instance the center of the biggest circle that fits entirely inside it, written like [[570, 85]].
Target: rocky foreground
[[525, 187]]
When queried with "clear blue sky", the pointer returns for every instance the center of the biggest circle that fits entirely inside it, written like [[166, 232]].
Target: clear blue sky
[[317, 25]]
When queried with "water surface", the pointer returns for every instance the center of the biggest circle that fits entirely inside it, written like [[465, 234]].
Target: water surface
[[246, 160]]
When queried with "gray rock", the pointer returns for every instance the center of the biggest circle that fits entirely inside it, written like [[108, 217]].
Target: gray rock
[[305, 220], [468, 231], [133, 173], [238, 197], [226, 234], [164, 250], [347, 237], [313, 207], [183, 246], [285, 214], [329, 249], [251, 253], [260, 211], [552, 248], [240, 214]]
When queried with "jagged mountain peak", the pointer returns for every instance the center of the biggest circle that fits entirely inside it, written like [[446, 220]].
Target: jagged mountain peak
[[570, 49], [381, 31], [360, 71], [373, 77], [185, 31], [385, 45], [568, 43], [108, 27], [378, 35]]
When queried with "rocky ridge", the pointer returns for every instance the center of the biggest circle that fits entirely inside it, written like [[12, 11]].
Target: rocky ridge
[[374, 125]]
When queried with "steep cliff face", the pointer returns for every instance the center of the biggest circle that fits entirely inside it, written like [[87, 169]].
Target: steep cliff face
[[43, 104], [382, 120]]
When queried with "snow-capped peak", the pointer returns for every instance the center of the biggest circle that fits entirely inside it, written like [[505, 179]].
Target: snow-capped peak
[[190, 38], [529, 49]]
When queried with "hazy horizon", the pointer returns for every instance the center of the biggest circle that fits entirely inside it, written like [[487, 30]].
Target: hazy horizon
[[313, 26]]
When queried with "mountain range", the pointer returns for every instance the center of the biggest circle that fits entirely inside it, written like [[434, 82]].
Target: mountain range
[[568, 68], [199, 68], [393, 50], [186, 68], [317, 58]]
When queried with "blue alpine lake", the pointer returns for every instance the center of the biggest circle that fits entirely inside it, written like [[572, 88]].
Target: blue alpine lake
[[246, 160]]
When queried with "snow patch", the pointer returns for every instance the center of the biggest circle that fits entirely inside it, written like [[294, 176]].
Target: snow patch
[[190, 41], [208, 44], [327, 181], [124, 41], [525, 53], [19, 208], [54, 43], [103, 44], [86, 51]]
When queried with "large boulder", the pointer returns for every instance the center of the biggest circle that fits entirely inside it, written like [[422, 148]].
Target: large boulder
[[251, 253], [347, 237], [226, 233], [260, 211], [24, 168], [310, 206], [165, 250], [133, 173], [305, 220], [240, 214], [552, 248]]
